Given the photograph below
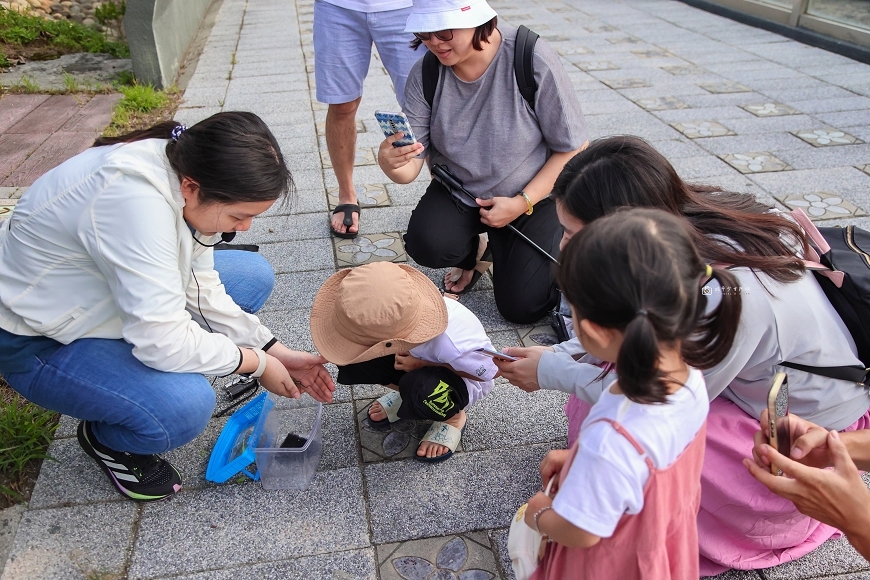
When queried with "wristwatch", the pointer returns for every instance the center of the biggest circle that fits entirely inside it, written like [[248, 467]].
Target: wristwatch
[[529, 203], [261, 367]]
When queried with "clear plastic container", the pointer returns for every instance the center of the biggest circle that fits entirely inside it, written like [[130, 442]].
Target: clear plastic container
[[288, 467]]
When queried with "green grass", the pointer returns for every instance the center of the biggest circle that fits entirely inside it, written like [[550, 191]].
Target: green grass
[[21, 30], [141, 98], [25, 432]]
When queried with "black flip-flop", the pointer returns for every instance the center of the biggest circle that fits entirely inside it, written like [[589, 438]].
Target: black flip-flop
[[348, 210], [475, 276]]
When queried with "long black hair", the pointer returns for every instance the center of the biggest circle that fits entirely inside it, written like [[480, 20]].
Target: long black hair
[[233, 156], [626, 171], [638, 271]]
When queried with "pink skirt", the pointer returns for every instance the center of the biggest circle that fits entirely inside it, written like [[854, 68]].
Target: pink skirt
[[741, 523]]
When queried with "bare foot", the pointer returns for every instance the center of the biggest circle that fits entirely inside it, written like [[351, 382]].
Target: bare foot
[[432, 450], [337, 222], [457, 285], [376, 412]]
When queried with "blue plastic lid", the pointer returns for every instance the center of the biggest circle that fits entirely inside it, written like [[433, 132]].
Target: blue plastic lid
[[233, 452]]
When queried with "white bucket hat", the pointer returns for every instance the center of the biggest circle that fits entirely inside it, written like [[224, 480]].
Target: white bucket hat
[[435, 15]]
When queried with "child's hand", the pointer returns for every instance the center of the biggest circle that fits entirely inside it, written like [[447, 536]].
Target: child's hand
[[551, 466], [406, 362], [536, 502]]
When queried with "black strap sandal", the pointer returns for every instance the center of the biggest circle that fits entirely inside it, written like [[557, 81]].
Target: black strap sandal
[[348, 210]]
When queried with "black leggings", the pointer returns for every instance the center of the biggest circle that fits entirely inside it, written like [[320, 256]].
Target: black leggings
[[443, 233]]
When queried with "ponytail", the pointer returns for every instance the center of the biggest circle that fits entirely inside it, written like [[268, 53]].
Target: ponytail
[[637, 364]]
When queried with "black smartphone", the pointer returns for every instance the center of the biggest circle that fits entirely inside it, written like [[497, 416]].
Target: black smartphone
[[557, 321], [777, 417]]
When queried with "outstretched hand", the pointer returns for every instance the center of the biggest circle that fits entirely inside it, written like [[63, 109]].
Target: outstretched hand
[[524, 372], [307, 371], [836, 497]]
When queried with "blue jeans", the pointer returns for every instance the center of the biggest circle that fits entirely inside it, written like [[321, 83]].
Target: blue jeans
[[132, 407]]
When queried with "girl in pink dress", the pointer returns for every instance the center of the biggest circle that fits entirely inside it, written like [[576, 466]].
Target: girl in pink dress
[[628, 491]]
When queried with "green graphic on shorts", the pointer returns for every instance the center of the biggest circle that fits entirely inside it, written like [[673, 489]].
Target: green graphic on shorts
[[439, 401]]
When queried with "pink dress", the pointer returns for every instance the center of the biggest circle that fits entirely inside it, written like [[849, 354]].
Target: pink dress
[[741, 524], [659, 543]]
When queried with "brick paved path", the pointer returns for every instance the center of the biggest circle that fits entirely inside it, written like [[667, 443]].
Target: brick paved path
[[728, 104]]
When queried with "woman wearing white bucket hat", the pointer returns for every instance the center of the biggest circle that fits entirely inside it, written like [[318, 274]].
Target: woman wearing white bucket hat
[[507, 152]]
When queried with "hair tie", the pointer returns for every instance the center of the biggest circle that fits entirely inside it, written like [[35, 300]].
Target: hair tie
[[177, 131], [642, 312], [708, 271]]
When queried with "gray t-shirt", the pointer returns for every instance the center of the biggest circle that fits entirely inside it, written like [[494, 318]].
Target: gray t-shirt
[[485, 132]]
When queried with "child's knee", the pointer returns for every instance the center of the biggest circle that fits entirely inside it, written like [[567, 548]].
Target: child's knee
[[432, 393]]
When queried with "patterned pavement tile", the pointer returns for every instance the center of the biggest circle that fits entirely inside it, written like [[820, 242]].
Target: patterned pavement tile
[[392, 441], [725, 88], [363, 156], [661, 103], [573, 50], [467, 557], [653, 53], [771, 109], [543, 335], [598, 28], [822, 205], [684, 70], [596, 65], [756, 162], [366, 196], [556, 38], [826, 137], [700, 129], [365, 249], [632, 83], [624, 40]]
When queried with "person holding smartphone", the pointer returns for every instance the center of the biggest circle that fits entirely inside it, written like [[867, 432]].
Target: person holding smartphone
[[786, 317], [505, 152], [838, 496]]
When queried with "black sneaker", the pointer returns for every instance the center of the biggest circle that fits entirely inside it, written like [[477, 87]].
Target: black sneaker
[[138, 477]]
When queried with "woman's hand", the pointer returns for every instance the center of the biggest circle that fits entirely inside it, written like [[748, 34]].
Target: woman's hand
[[524, 372], [276, 379], [307, 370], [500, 211], [393, 158], [809, 442], [551, 466], [837, 497], [406, 362]]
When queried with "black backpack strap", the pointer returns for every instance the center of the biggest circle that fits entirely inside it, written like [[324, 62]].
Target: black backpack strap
[[524, 63], [431, 72], [854, 374]]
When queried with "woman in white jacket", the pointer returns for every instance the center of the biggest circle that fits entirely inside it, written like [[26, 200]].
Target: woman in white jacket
[[111, 309]]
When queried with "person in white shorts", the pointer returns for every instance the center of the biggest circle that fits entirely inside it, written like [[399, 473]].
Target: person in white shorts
[[343, 34]]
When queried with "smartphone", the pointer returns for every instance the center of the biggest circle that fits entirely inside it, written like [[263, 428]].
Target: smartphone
[[557, 321], [496, 354], [777, 416], [392, 123]]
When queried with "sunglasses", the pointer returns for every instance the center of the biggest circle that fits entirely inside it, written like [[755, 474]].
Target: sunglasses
[[442, 35]]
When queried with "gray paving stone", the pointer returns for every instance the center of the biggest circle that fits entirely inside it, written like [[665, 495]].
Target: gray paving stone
[[410, 499], [352, 564], [499, 540], [299, 256], [296, 290], [71, 478], [463, 556], [778, 141], [736, 575], [847, 181], [693, 168], [87, 541], [814, 106], [243, 524], [832, 557], [827, 157], [285, 229], [10, 517], [509, 417]]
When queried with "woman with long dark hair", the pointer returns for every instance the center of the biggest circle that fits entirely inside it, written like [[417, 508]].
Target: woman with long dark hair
[[111, 305], [785, 318]]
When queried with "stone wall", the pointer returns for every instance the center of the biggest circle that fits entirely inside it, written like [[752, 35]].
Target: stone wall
[[80, 11]]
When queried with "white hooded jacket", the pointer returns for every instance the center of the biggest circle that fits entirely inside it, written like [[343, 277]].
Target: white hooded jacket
[[98, 248]]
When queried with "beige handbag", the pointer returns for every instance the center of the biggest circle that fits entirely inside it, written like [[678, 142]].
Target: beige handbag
[[525, 545]]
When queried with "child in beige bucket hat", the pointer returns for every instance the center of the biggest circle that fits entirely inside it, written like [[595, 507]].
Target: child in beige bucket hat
[[388, 324]]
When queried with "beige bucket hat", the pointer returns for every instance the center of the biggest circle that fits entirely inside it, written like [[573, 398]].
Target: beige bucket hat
[[375, 310]]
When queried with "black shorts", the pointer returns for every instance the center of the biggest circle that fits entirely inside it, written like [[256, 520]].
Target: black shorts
[[429, 393]]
